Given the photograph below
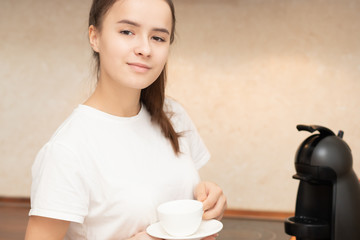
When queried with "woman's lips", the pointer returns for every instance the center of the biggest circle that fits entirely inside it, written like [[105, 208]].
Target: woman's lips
[[139, 67]]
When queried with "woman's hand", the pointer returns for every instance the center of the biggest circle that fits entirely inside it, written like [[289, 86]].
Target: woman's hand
[[213, 199], [212, 237], [143, 236]]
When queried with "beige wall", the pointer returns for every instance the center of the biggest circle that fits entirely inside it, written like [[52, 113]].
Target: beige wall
[[247, 71]]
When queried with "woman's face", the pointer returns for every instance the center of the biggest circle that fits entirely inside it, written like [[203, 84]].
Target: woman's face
[[133, 43]]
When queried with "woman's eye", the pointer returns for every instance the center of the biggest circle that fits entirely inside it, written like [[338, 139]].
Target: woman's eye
[[159, 39], [126, 32]]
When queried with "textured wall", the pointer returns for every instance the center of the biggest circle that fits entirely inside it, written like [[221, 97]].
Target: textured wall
[[247, 71]]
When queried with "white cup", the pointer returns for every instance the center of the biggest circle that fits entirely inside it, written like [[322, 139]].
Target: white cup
[[180, 218]]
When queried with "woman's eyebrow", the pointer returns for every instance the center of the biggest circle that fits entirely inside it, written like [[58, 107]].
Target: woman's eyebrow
[[126, 21], [164, 30], [129, 22]]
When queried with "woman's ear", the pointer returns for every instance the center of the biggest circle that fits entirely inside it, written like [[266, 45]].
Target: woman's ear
[[93, 38]]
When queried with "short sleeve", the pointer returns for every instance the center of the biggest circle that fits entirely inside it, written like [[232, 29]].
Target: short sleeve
[[183, 124], [59, 188]]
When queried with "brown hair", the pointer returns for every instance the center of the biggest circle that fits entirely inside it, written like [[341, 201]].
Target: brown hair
[[154, 95]]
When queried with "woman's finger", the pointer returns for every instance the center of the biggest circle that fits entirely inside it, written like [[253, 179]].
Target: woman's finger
[[200, 192], [212, 237], [217, 211], [214, 192], [213, 198]]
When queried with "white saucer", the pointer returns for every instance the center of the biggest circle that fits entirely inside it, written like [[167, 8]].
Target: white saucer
[[207, 228]]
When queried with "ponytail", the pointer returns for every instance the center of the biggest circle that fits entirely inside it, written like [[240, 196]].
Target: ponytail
[[153, 98]]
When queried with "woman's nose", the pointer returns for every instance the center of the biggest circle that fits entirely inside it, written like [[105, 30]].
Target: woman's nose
[[143, 48]]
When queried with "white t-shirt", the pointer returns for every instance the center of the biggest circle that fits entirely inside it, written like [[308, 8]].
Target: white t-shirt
[[107, 174]]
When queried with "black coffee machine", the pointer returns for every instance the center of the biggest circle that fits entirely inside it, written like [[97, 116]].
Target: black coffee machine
[[328, 198]]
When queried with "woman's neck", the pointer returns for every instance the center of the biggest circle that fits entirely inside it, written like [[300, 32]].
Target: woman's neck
[[115, 100]]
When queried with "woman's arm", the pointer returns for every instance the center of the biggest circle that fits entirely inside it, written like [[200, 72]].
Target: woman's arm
[[42, 228]]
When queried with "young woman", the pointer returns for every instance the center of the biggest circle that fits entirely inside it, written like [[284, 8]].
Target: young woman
[[127, 148]]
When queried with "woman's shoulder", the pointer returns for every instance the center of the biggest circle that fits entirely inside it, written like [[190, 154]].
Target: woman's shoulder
[[67, 138], [173, 106], [71, 129], [177, 114]]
